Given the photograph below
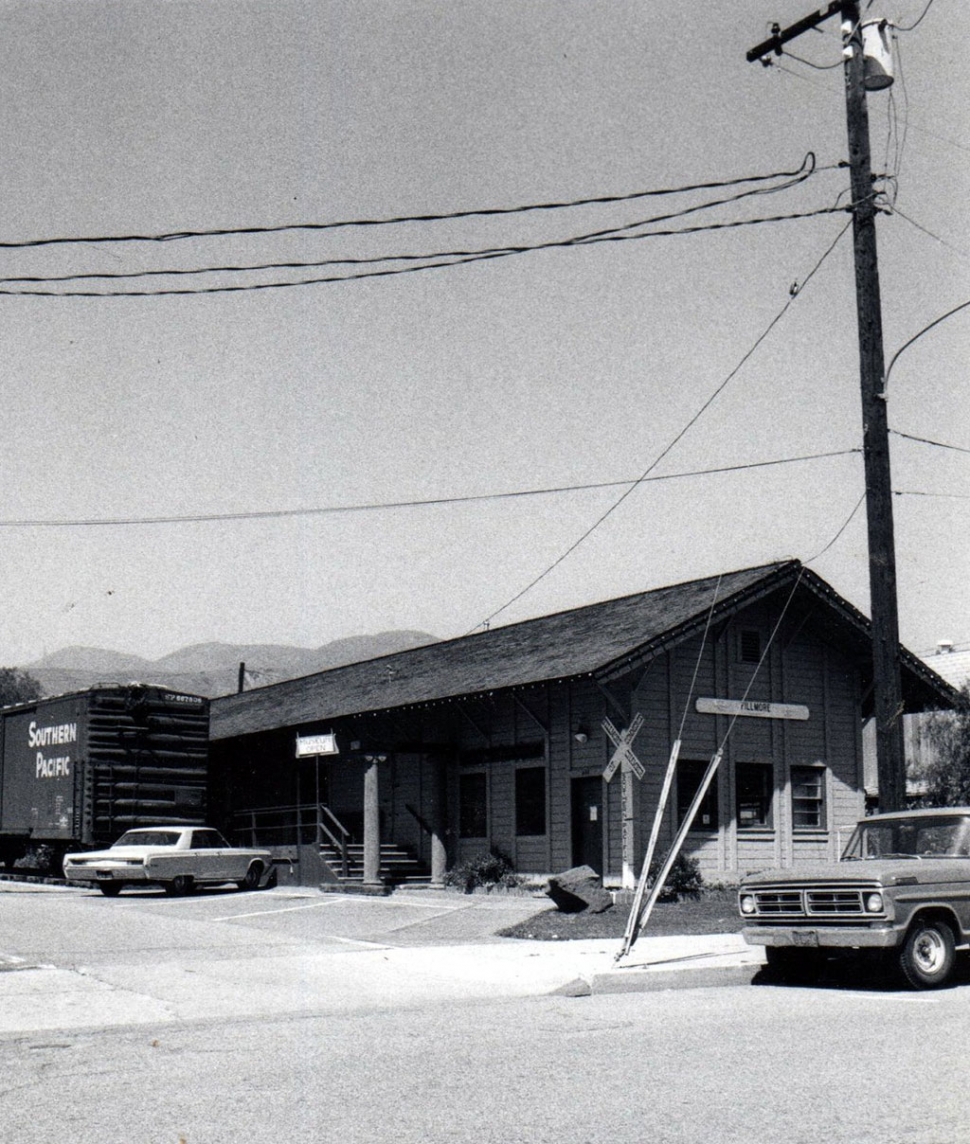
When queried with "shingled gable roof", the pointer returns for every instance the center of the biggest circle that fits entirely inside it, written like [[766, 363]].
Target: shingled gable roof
[[605, 640]]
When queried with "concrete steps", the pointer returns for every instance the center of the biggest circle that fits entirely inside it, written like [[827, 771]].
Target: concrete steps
[[397, 866]]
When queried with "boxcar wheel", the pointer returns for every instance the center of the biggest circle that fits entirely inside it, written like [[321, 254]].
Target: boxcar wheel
[[927, 955], [110, 889]]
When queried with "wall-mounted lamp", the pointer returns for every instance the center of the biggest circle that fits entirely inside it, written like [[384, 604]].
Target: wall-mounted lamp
[[581, 734]]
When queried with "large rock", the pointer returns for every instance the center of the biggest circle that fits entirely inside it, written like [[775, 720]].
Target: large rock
[[579, 889]]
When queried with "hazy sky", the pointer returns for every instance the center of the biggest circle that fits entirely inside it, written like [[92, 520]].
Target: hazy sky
[[552, 368]]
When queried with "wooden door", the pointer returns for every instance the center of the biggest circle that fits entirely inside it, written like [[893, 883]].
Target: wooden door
[[587, 822]]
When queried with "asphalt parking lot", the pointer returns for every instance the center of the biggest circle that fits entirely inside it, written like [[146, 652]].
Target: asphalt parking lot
[[74, 957]]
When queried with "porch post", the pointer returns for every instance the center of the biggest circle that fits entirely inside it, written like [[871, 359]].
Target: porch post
[[372, 822], [439, 821]]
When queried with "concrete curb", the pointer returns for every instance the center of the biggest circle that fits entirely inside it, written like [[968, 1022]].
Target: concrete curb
[[660, 964], [708, 977]]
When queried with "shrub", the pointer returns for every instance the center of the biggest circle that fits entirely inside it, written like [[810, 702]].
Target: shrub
[[487, 870], [945, 747], [683, 881], [41, 859]]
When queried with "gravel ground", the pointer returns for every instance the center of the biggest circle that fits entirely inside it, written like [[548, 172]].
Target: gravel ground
[[714, 912]]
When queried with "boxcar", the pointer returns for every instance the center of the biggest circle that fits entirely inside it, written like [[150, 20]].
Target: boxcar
[[78, 770]]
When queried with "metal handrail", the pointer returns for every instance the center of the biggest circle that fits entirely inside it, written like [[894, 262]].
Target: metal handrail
[[340, 844], [296, 818], [337, 834], [253, 810], [334, 819]]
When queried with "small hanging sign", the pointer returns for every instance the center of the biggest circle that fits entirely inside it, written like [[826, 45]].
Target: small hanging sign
[[309, 745]]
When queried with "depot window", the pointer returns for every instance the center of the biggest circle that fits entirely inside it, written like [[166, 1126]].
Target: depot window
[[473, 805], [808, 798], [749, 645], [530, 801], [754, 783], [690, 775]]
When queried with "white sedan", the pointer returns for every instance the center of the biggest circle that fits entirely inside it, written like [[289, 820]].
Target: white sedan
[[178, 858]]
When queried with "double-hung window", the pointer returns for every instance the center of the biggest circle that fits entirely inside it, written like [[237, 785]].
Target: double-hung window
[[754, 786], [808, 798], [690, 775]]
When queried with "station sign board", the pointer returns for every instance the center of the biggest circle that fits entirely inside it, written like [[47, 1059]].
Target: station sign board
[[755, 708]]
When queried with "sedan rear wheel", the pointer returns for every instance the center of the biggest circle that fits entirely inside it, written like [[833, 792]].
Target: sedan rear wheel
[[927, 955], [110, 889], [180, 886], [251, 881]]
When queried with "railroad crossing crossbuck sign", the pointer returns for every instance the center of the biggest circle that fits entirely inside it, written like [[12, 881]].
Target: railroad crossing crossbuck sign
[[624, 754], [629, 765]]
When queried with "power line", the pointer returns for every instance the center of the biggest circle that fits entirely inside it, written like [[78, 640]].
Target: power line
[[939, 496], [425, 257], [833, 91], [845, 525], [664, 452], [900, 142], [807, 167], [572, 243], [384, 506], [919, 21], [929, 233], [808, 63], [929, 441], [925, 330]]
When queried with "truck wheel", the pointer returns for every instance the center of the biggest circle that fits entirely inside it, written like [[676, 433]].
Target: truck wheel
[[251, 881], [927, 955], [796, 966], [110, 889], [180, 886]]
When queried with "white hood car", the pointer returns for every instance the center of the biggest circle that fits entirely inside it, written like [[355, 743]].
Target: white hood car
[[178, 858]]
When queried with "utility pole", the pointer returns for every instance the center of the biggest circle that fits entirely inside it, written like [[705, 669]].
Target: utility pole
[[886, 682]]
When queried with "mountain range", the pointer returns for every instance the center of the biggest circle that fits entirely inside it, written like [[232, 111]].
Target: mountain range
[[212, 668]]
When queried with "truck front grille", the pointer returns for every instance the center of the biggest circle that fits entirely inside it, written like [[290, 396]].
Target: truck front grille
[[811, 901], [779, 902], [834, 901]]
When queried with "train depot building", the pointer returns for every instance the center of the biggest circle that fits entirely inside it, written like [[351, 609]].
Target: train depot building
[[548, 740]]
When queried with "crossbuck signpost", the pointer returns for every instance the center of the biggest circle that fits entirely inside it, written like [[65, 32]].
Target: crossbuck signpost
[[624, 758]]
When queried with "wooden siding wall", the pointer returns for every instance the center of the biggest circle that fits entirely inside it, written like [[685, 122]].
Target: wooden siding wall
[[410, 775], [483, 734], [799, 669], [497, 725]]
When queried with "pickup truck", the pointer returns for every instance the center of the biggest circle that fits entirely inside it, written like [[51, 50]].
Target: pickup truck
[[177, 858], [902, 888]]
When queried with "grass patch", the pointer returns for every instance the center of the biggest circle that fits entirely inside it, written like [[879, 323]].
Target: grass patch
[[714, 911]]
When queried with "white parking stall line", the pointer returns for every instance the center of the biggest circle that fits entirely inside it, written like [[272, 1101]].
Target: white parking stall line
[[404, 902], [268, 913], [361, 942]]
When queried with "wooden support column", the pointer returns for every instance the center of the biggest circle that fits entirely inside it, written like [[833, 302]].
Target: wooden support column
[[372, 821], [439, 821]]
